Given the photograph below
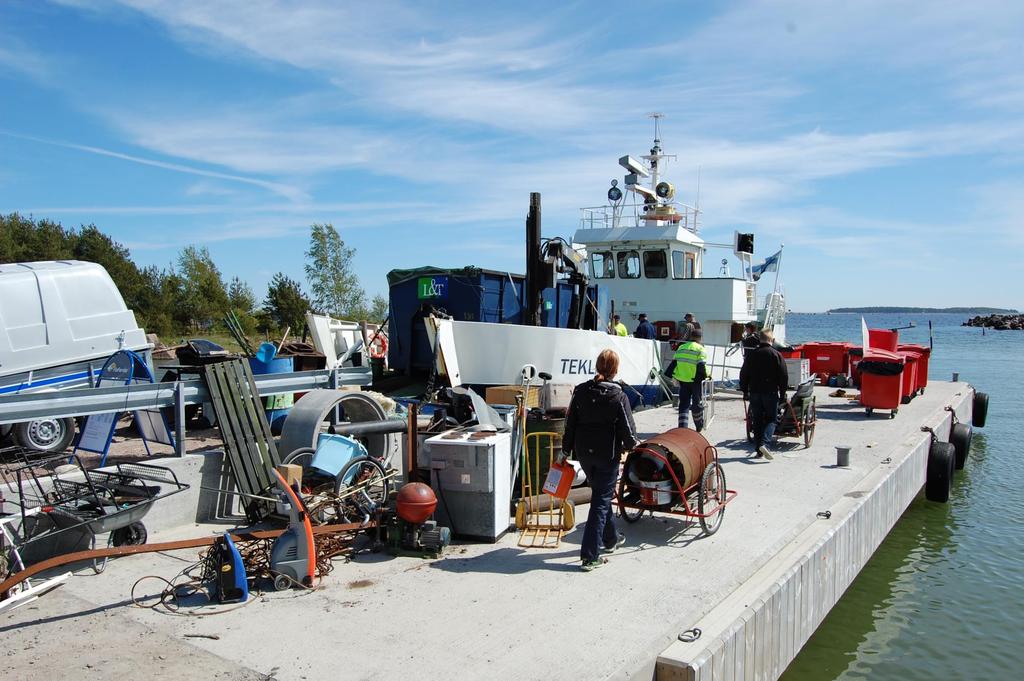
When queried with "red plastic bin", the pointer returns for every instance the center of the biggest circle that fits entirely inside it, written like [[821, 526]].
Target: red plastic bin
[[881, 380], [855, 354], [925, 354], [883, 339], [827, 359], [908, 384]]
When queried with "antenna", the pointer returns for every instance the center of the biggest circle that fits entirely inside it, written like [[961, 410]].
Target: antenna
[[657, 116]]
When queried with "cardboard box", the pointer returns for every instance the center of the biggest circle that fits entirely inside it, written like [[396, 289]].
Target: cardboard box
[[506, 394], [556, 395], [291, 473]]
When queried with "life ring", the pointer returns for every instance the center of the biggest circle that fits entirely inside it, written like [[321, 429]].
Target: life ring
[[379, 346]]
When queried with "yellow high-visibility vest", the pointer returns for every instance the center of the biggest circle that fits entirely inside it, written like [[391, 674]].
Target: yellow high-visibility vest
[[688, 356], [620, 329]]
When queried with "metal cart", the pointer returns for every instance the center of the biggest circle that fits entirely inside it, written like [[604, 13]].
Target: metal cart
[[797, 416], [674, 458], [63, 512]]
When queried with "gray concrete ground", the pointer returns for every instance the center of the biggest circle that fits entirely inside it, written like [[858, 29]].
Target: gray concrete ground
[[482, 611]]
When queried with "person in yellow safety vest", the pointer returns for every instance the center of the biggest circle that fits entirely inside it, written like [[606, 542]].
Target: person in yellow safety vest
[[618, 328], [689, 368]]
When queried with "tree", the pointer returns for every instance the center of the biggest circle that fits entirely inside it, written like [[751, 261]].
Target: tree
[[243, 303], [240, 296], [334, 287], [285, 303], [378, 309], [202, 298], [26, 240]]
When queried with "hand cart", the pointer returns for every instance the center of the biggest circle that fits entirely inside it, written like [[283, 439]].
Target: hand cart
[[662, 487], [797, 417], [63, 512]]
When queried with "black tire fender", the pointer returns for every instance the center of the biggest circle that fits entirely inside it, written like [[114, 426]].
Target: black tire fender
[[960, 437], [979, 414], [939, 476]]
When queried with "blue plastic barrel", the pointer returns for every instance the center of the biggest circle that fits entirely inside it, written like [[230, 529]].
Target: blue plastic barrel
[[277, 407]]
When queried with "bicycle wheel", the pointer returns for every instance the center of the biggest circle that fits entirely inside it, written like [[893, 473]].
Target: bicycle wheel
[[365, 486], [711, 497], [628, 496]]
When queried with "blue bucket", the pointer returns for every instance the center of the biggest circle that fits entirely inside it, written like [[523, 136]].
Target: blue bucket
[[334, 452]]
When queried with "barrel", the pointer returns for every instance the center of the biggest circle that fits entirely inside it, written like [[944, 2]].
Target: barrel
[[687, 451]]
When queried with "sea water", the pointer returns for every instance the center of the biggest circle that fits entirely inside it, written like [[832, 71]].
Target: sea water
[[943, 596]]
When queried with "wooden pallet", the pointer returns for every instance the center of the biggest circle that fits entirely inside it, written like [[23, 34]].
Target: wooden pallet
[[251, 449]]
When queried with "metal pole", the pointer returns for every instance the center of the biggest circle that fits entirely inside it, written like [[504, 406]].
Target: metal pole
[[179, 418]]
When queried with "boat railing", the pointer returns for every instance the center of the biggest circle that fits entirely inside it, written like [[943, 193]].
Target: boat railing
[[632, 215]]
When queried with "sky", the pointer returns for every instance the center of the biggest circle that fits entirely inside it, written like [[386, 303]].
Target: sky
[[879, 141]]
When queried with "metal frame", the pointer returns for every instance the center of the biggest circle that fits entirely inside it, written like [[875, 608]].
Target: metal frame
[[85, 401], [680, 490]]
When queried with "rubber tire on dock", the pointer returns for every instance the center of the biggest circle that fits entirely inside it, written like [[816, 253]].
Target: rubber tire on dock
[[960, 437], [980, 411], [45, 435], [939, 476]]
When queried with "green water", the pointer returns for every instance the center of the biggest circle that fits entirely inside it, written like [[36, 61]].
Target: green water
[[943, 596]]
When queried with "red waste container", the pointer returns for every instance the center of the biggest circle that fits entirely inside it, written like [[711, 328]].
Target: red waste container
[[884, 339], [855, 354], [881, 379], [795, 352], [826, 359], [908, 382], [925, 354]]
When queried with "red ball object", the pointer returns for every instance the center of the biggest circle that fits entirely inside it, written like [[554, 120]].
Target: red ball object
[[416, 502]]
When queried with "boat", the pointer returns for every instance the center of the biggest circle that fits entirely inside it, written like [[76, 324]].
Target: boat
[[641, 252]]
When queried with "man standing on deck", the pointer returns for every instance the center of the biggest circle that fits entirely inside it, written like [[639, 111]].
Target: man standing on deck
[[645, 329], [763, 380], [618, 328], [688, 326], [689, 368]]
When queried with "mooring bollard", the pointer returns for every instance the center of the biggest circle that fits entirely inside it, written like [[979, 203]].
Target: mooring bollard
[[843, 456], [956, 376]]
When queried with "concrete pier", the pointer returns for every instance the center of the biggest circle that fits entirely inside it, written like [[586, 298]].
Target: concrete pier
[[757, 589]]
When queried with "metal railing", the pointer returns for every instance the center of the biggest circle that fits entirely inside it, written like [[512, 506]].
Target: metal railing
[[632, 215]]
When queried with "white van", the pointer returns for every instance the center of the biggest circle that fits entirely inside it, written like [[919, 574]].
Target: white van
[[59, 322]]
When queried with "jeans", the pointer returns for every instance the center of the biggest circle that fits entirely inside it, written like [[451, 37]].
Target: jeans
[[764, 416], [689, 400], [600, 525]]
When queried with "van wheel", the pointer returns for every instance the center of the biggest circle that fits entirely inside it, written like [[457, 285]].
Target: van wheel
[[45, 435], [960, 438], [939, 476]]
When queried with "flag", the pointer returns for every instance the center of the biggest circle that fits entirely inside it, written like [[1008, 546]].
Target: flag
[[770, 264]]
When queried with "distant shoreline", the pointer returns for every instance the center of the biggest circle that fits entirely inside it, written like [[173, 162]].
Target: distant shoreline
[[931, 310]]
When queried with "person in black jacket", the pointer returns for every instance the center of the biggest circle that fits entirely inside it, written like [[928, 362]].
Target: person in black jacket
[[763, 380], [598, 428], [750, 339], [645, 329]]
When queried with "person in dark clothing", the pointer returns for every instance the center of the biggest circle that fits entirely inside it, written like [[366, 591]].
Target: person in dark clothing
[[763, 380], [645, 329], [687, 326], [598, 428], [750, 339]]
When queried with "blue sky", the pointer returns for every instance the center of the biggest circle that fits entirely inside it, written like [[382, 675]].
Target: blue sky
[[880, 141]]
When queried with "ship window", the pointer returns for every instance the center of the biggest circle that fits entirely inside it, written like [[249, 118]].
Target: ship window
[[629, 265], [684, 265], [655, 265], [603, 264]]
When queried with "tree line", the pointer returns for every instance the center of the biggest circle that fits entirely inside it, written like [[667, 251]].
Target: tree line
[[190, 294]]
